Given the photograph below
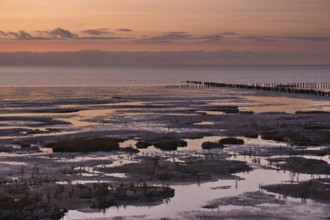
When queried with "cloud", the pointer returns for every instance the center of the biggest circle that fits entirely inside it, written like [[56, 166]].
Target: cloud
[[60, 33], [124, 30], [229, 33], [2, 33], [259, 38], [307, 38], [105, 38], [21, 35], [57, 33], [97, 32], [167, 38], [211, 38]]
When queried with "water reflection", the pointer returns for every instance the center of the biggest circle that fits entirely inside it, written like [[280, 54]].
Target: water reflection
[[283, 104], [192, 196]]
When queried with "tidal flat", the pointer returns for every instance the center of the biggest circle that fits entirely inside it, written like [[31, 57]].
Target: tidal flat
[[163, 153]]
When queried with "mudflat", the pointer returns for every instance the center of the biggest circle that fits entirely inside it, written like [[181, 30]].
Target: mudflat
[[82, 150]]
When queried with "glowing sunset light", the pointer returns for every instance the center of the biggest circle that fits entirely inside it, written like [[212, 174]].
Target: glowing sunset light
[[148, 25]]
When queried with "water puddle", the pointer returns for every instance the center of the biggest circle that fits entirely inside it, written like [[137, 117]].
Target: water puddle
[[128, 143], [204, 123], [212, 112], [283, 104], [117, 175], [40, 135], [90, 117], [80, 182], [12, 163], [185, 200], [46, 150], [127, 104], [179, 114]]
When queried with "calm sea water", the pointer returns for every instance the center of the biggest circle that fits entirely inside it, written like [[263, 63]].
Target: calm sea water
[[153, 76]]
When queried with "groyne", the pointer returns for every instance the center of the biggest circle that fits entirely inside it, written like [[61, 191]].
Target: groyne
[[318, 89]]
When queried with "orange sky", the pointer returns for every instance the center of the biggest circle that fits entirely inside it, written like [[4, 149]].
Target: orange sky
[[171, 25]]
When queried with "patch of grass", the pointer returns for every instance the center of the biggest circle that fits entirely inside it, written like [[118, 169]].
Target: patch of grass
[[252, 135], [290, 137], [85, 145], [211, 145], [226, 109], [302, 165], [170, 144], [129, 150], [131, 194], [143, 145], [27, 207], [165, 176], [317, 189], [193, 169], [231, 140], [274, 136]]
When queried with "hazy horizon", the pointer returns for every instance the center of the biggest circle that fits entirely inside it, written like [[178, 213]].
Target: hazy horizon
[[149, 58]]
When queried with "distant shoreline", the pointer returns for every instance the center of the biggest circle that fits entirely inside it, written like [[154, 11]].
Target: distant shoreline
[[161, 58]]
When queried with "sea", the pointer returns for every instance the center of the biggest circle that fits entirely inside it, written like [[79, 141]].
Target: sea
[[60, 76]]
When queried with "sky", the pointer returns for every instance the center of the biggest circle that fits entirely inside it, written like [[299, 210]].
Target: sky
[[298, 28]]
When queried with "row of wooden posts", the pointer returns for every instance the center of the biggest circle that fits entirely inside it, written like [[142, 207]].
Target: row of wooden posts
[[319, 89]]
